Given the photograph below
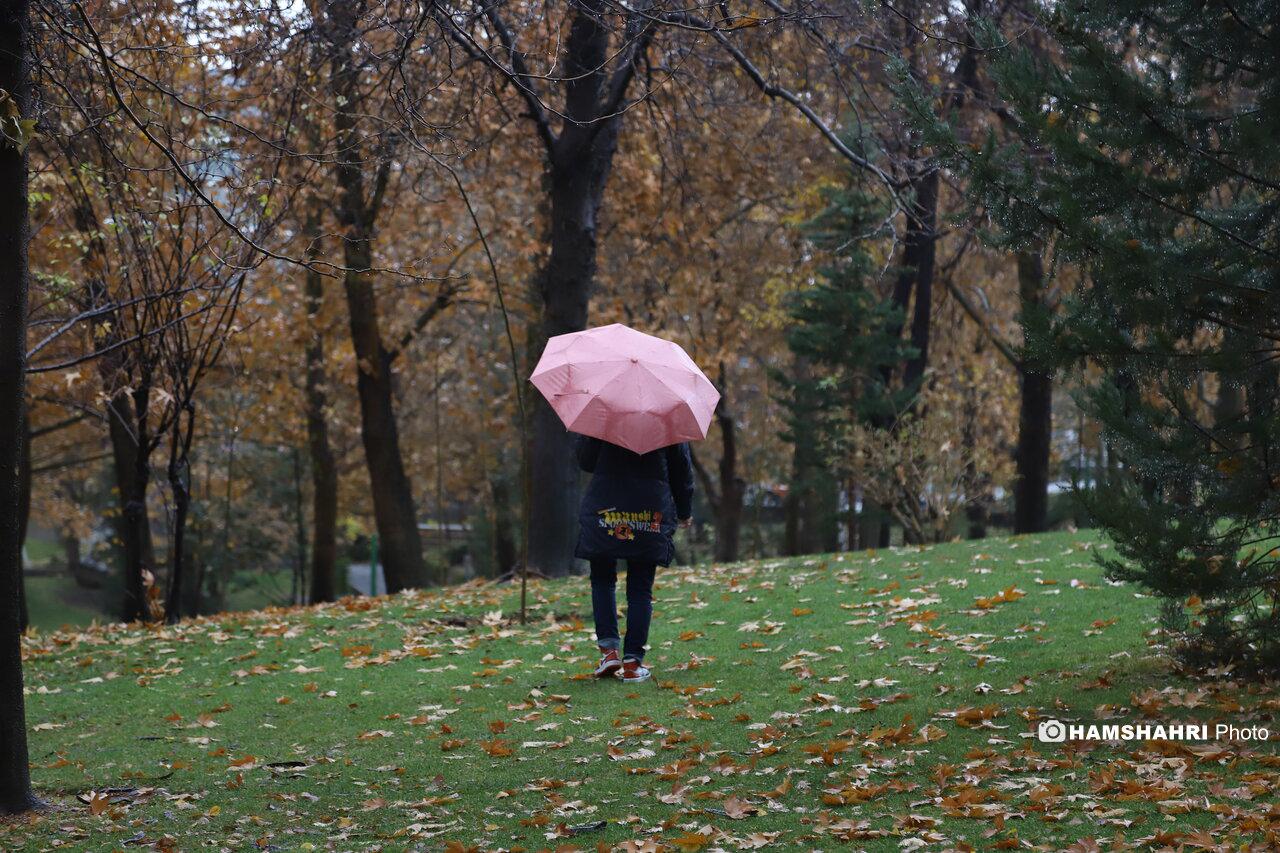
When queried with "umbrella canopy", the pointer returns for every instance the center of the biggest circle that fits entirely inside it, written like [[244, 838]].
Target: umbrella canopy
[[626, 387]]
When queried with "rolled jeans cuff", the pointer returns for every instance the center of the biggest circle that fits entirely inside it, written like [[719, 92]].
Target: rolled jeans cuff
[[614, 643]]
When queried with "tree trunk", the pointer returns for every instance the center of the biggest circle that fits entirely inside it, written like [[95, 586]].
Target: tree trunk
[[71, 551], [792, 506], [400, 546], [732, 489], [132, 474], [812, 507], [918, 261], [504, 544], [873, 527], [15, 79], [564, 285], [125, 426], [850, 516], [920, 240], [324, 470], [180, 601], [915, 275], [1035, 417], [800, 502], [725, 495], [826, 537], [977, 484], [578, 165]]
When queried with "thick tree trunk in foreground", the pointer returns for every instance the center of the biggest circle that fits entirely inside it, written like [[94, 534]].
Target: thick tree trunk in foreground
[[15, 79], [1035, 418], [399, 545], [564, 285], [324, 470], [578, 162]]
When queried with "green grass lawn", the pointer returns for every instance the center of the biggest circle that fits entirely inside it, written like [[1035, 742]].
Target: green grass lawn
[[54, 601], [861, 701]]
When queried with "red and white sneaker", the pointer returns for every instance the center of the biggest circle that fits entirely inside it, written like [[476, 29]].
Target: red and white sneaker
[[633, 670], [609, 663]]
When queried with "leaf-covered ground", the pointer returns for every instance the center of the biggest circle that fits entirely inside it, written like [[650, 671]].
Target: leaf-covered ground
[[872, 701]]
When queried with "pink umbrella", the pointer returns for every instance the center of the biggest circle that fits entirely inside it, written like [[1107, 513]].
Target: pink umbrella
[[626, 387]]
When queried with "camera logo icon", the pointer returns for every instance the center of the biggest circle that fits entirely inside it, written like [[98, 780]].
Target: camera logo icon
[[1051, 731]]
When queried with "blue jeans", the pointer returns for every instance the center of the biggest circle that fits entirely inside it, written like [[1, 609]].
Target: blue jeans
[[604, 605]]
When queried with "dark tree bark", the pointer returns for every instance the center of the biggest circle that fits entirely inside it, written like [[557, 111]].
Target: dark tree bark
[[874, 529], [596, 77], [918, 261], [725, 494], [127, 432], [977, 483], [181, 601], [812, 520], [324, 469], [797, 507], [1035, 416], [71, 551], [732, 489], [826, 536], [792, 507], [15, 80], [505, 553], [399, 544], [577, 174], [811, 508], [920, 240]]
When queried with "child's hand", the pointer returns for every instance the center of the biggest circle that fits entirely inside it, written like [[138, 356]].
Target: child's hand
[[685, 522]]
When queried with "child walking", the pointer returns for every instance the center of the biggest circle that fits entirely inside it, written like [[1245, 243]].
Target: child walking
[[630, 512]]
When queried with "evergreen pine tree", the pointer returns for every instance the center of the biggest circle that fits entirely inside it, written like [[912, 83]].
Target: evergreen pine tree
[[842, 334], [1145, 154]]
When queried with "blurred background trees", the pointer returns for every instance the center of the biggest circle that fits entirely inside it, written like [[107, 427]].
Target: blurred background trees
[[268, 363]]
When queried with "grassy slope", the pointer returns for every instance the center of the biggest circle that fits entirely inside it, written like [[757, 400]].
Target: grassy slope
[[783, 688], [50, 606]]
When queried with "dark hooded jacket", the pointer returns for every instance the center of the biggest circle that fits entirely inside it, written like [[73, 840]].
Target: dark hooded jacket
[[630, 509]]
